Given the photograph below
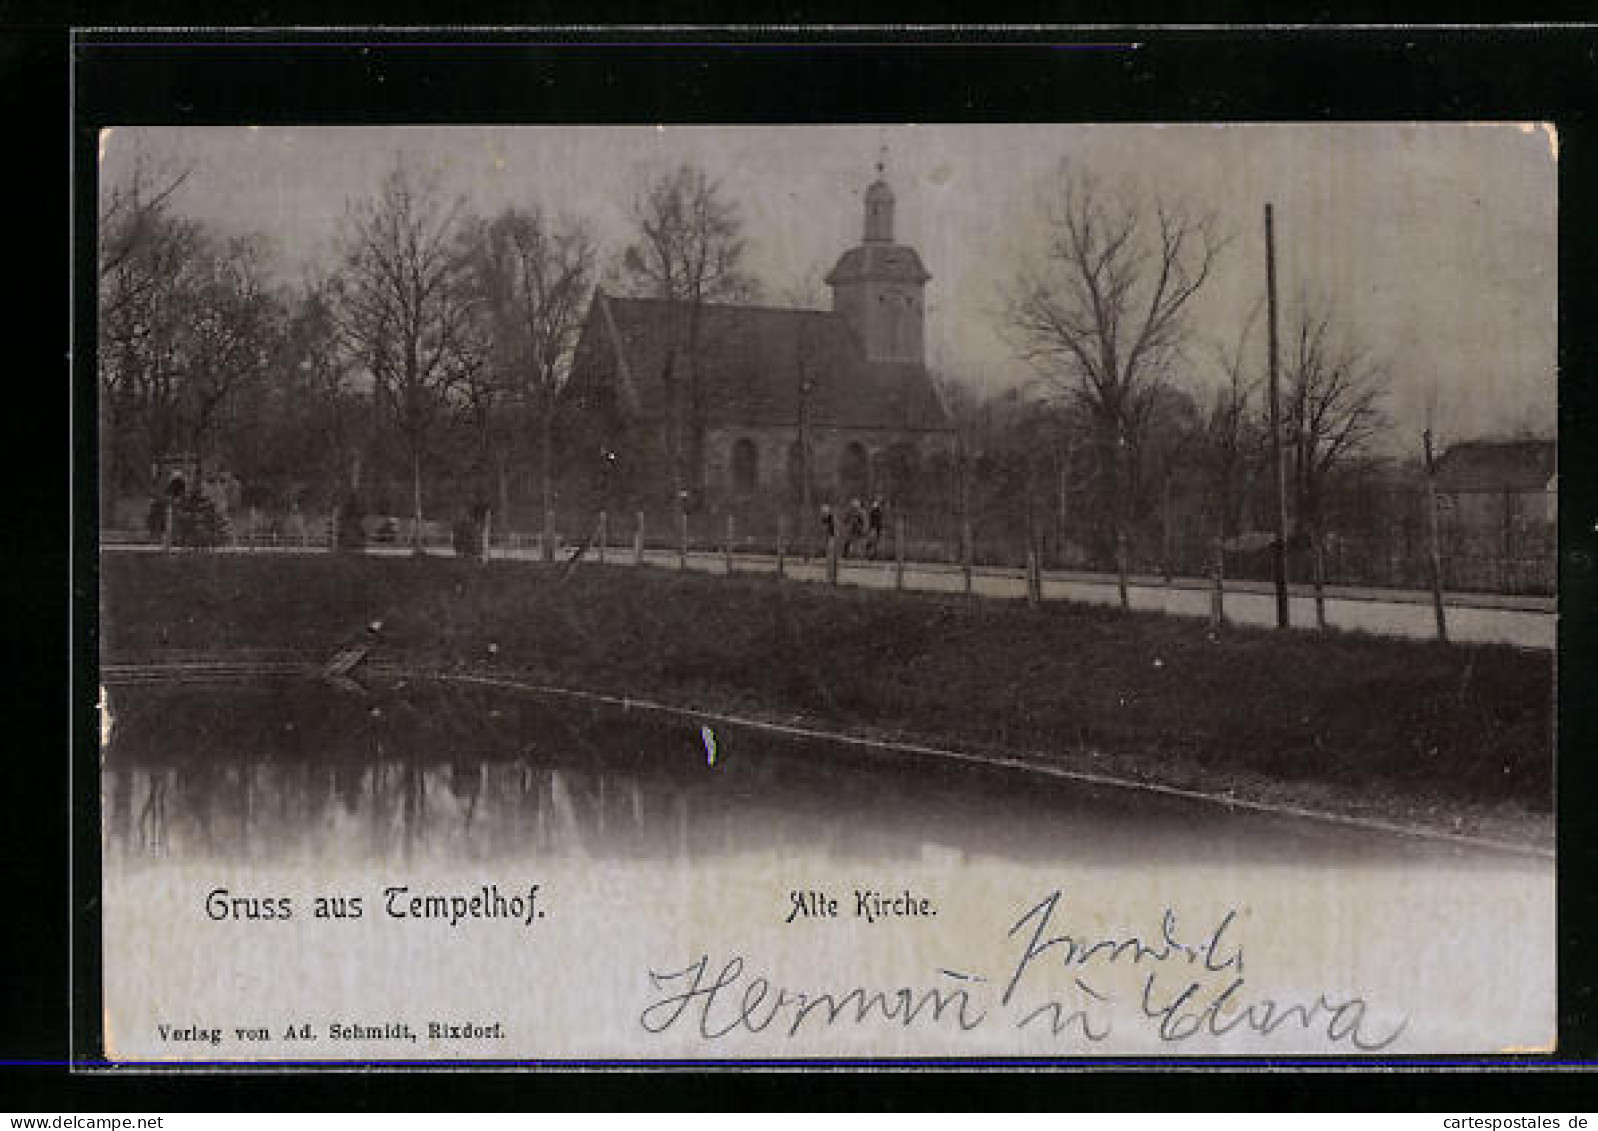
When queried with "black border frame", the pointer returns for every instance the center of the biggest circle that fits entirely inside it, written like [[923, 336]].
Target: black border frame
[[933, 74]]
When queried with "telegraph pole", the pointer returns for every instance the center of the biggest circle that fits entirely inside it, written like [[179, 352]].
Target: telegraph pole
[[1434, 554], [1279, 547]]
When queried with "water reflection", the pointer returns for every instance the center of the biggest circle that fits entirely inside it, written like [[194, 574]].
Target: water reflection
[[297, 769]]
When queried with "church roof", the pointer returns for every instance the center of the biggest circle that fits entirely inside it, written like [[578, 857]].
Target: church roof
[[1492, 465], [879, 262], [754, 359]]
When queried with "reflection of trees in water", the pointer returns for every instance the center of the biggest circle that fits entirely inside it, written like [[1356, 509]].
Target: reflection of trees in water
[[466, 784], [402, 808], [136, 809], [391, 809], [422, 770], [415, 805], [347, 782], [466, 774], [152, 818], [116, 802], [401, 779]]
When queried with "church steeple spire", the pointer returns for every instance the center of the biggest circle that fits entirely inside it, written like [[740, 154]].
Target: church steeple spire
[[878, 286], [879, 205]]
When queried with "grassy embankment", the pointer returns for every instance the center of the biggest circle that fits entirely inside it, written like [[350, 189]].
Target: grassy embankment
[[1455, 736]]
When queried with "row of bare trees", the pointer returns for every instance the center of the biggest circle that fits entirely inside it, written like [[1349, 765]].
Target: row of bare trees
[[1102, 313], [433, 325], [186, 320], [454, 314]]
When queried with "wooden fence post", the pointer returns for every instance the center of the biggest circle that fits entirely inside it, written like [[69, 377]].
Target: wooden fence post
[[1034, 585], [638, 540], [682, 546], [898, 552], [727, 548], [1121, 567], [782, 545], [1318, 567], [604, 535], [967, 552], [1435, 554], [1218, 584], [832, 559]]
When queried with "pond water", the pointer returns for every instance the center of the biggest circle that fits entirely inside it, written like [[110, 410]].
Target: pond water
[[293, 769]]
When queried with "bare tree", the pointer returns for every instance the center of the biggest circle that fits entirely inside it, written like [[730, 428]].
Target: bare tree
[[1100, 313], [532, 275], [188, 321], [966, 412], [688, 252], [136, 223], [480, 390], [324, 373], [808, 376], [233, 321], [1331, 408], [1233, 441], [147, 255], [1170, 441], [302, 425], [402, 311]]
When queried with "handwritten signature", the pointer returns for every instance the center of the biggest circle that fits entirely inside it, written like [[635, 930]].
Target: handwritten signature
[[1193, 987]]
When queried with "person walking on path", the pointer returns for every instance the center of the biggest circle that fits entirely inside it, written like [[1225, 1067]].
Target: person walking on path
[[856, 528], [874, 526]]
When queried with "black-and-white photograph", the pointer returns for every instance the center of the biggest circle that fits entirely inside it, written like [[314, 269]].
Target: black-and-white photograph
[[729, 592]]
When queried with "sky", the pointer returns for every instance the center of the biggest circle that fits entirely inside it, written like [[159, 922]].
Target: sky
[[1434, 244]]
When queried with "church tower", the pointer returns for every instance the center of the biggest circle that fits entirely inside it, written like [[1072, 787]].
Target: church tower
[[879, 286]]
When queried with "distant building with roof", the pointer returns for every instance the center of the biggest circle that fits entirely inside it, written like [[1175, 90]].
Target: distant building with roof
[[851, 380], [1499, 498]]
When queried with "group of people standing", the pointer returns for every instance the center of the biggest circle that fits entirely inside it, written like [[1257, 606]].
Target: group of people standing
[[860, 524]]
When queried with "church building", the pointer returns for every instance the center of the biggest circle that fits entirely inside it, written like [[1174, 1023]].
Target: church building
[[851, 383]]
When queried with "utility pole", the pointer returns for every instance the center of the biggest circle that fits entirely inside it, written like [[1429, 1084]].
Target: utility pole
[[805, 505], [682, 518], [965, 510], [1279, 551], [802, 351], [1435, 555], [898, 551]]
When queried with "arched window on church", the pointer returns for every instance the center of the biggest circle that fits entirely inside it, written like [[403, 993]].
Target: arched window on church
[[745, 466]]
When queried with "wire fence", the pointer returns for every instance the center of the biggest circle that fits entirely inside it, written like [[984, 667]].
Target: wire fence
[[935, 537]]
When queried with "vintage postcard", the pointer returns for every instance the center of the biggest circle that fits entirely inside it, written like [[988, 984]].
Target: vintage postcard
[[586, 594]]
